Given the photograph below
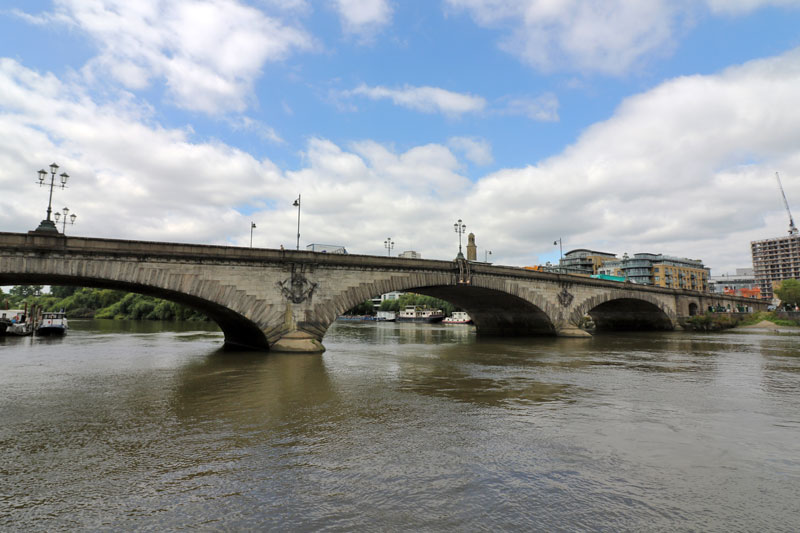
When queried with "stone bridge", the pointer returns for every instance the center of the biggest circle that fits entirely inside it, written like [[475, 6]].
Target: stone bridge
[[285, 300]]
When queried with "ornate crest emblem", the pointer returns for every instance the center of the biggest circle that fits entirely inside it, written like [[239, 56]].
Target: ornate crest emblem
[[564, 297], [296, 288]]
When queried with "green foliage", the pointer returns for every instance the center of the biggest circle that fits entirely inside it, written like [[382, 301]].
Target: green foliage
[[420, 300], [364, 308], [62, 291], [100, 303], [789, 292], [24, 291]]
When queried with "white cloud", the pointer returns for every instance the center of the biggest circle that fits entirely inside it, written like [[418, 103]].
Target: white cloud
[[479, 151], [606, 36], [425, 99], [686, 168], [543, 108], [364, 17], [744, 6], [208, 52]]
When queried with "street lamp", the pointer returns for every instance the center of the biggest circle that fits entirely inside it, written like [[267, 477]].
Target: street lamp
[[561, 251], [252, 227], [297, 205], [72, 218], [48, 225], [460, 228], [486, 254], [388, 244]]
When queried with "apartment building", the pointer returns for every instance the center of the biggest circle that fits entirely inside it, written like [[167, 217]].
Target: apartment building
[[775, 260], [660, 270]]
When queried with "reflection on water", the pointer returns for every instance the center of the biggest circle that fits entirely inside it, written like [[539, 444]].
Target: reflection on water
[[124, 425]]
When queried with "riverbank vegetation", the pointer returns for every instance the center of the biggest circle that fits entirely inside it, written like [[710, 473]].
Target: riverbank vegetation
[[97, 303], [720, 321]]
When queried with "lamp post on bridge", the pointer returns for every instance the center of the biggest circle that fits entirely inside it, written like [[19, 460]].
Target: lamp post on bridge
[[72, 218], [486, 254], [297, 205], [47, 225], [252, 227], [561, 252], [388, 244], [460, 228]]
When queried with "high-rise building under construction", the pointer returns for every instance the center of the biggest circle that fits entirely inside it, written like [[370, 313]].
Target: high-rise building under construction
[[775, 260]]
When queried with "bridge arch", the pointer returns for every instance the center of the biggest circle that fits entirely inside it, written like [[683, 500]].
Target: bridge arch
[[494, 308], [239, 331], [626, 310]]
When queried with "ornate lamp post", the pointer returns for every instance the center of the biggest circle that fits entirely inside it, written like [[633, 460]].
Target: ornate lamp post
[[561, 251], [72, 218], [47, 225], [486, 254], [252, 227], [297, 205], [388, 244], [460, 228]]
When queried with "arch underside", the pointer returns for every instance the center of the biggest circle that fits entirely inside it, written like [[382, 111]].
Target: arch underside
[[494, 313], [629, 314], [239, 331]]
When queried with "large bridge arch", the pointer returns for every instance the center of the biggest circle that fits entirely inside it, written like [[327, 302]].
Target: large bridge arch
[[621, 310], [494, 309], [239, 331]]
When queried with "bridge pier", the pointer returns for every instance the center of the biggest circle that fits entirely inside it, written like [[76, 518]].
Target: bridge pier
[[572, 331], [298, 342]]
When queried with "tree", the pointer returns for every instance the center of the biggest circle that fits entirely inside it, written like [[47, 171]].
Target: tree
[[24, 291], [62, 291], [789, 292]]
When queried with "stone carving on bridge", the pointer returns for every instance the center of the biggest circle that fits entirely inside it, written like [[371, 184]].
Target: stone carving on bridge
[[297, 289], [565, 297], [464, 274]]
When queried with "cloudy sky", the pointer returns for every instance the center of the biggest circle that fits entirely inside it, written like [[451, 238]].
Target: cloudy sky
[[617, 125]]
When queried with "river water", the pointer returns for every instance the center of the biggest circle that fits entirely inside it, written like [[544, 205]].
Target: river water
[[400, 427]]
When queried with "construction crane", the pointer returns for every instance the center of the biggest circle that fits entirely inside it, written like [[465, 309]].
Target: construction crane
[[792, 227]]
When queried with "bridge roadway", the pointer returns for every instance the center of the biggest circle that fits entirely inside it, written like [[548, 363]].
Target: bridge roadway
[[285, 300]]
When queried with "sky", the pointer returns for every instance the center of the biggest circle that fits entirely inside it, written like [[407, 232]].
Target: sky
[[614, 125]]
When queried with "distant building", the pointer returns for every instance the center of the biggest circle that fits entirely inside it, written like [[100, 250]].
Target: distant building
[[472, 249], [775, 260], [326, 248], [660, 270], [585, 262], [410, 254], [744, 278]]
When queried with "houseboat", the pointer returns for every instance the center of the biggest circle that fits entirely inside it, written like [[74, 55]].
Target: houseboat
[[14, 322], [414, 314], [458, 317], [52, 324]]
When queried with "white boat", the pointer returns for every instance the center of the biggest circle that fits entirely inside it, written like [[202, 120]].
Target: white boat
[[386, 316], [52, 324], [458, 317], [414, 314], [13, 322]]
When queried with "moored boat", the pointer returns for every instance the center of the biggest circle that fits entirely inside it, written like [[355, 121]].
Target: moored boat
[[52, 324], [414, 314], [10, 319], [458, 317]]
